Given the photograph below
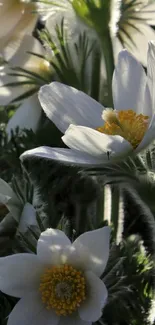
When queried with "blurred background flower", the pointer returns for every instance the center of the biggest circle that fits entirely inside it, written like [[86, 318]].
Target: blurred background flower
[[17, 19], [130, 21], [19, 81], [131, 26]]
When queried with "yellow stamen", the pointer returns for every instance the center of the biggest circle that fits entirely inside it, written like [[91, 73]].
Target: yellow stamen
[[127, 124], [63, 289]]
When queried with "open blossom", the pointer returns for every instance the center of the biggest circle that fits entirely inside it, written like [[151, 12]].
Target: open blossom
[[61, 284], [17, 19], [96, 134]]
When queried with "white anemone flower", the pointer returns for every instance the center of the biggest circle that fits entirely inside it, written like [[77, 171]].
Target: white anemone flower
[[61, 284], [17, 19], [29, 112], [97, 135]]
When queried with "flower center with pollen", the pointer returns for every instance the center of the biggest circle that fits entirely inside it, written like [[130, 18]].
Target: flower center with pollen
[[63, 289], [127, 124]]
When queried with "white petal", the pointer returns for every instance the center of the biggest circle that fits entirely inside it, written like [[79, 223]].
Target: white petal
[[151, 72], [12, 16], [28, 218], [65, 105], [30, 310], [27, 116], [19, 274], [147, 13], [50, 244], [7, 94], [138, 45], [148, 137], [6, 190], [129, 82], [96, 243], [22, 58], [9, 198], [117, 46], [147, 108], [61, 155], [91, 309], [25, 60], [25, 23], [95, 143], [71, 28], [72, 320]]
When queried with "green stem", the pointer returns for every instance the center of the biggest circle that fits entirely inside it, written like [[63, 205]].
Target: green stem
[[81, 218], [115, 209], [96, 66], [107, 49], [99, 209]]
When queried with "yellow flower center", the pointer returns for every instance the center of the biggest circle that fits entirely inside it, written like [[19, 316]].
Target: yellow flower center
[[63, 289], [127, 124]]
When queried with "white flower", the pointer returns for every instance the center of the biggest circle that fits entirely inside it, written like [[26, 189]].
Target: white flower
[[29, 113], [61, 284], [17, 19], [129, 128], [73, 25], [129, 24], [24, 214]]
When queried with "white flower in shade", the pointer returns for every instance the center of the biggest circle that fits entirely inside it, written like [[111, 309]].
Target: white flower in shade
[[17, 19], [28, 114], [96, 135], [60, 285], [23, 213]]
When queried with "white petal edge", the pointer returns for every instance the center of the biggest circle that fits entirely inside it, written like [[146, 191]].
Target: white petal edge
[[64, 156], [73, 320], [148, 137], [19, 274], [151, 72], [27, 116], [9, 198], [6, 190], [11, 43], [95, 143], [22, 58], [91, 309], [129, 82], [138, 45], [50, 246], [65, 105], [28, 218], [97, 244], [30, 310]]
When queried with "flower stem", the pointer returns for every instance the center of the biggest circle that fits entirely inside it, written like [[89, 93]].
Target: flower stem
[[107, 49], [81, 218], [96, 66]]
